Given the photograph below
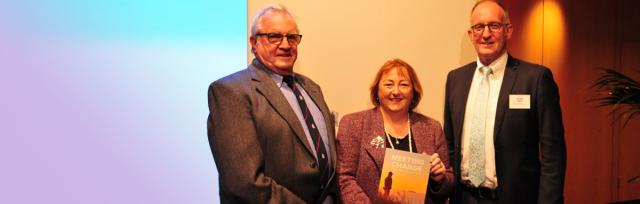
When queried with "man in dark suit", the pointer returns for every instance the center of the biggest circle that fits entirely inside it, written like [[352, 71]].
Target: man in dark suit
[[503, 121], [270, 131]]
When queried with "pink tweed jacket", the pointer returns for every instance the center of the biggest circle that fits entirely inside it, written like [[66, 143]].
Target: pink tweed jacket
[[360, 163]]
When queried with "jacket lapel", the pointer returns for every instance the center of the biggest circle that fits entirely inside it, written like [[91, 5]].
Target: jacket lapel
[[510, 76], [316, 97], [266, 87], [417, 129], [376, 131], [463, 93]]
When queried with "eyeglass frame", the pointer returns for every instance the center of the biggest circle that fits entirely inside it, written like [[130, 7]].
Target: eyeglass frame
[[291, 38], [485, 25]]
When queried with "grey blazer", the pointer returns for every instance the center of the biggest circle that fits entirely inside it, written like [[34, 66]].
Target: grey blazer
[[258, 143]]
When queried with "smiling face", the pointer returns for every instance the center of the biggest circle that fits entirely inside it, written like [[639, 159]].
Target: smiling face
[[489, 45], [277, 57], [395, 91]]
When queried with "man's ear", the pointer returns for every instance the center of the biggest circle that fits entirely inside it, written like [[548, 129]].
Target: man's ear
[[509, 31], [253, 42]]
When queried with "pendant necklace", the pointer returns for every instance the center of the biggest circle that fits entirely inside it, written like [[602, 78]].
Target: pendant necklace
[[397, 142]]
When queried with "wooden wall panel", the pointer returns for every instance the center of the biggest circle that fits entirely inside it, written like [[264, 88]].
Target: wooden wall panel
[[627, 139], [591, 44], [526, 19], [587, 41]]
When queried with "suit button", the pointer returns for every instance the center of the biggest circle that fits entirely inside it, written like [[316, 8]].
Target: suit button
[[313, 164]]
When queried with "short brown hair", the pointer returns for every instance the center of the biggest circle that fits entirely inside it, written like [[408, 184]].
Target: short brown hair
[[413, 77]]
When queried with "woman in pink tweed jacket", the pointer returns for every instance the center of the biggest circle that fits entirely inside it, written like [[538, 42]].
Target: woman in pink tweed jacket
[[395, 92]]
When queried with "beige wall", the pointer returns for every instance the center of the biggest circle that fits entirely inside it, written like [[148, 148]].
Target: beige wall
[[346, 42]]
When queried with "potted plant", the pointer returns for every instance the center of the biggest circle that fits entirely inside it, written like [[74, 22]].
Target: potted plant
[[620, 92]]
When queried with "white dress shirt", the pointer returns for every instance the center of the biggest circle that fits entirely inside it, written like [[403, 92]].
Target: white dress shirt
[[495, 82]]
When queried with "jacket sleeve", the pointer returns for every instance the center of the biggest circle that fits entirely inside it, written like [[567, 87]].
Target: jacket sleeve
[[348, 147], [233, 139], [448, 124], [553, 151], [444, 190]]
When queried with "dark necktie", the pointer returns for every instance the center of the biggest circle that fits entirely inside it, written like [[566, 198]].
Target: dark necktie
[[321, 152]]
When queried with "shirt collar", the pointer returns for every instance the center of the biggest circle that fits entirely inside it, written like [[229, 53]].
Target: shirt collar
[[277, 78], [497, 66]]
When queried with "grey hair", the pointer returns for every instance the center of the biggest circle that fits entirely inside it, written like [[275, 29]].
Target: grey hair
[[504, 9], [255, 23]]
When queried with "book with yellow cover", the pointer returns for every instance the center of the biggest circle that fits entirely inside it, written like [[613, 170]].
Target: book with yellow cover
[[404, 177]]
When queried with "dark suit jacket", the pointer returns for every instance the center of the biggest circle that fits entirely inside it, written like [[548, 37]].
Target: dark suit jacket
[[360, 163], [530, 150], [258, 143]]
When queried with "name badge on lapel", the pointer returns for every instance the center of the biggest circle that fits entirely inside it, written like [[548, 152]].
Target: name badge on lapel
[[519, 101]]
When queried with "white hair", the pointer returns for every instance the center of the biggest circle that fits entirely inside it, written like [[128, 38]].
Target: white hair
[[255, 23]]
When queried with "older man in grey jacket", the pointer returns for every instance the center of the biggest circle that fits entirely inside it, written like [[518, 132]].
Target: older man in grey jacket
[[270, 131]]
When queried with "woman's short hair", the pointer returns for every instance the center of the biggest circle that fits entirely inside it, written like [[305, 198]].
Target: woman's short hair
[[407, 69]]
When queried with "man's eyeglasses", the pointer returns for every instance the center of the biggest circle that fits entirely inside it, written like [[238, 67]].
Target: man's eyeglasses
[[276, 38], [493, 27]]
